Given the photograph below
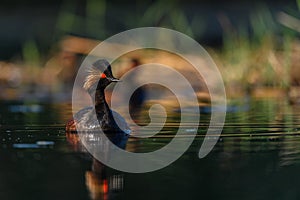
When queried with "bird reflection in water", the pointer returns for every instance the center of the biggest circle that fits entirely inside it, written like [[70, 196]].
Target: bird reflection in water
[[99, 179]]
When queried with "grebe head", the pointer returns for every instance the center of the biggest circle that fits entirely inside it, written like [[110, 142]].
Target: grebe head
[[99, 76]]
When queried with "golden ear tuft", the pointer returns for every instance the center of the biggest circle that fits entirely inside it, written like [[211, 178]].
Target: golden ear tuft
[[91, 79]]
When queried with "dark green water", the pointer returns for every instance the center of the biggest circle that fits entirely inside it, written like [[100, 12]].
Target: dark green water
[[257, 157]]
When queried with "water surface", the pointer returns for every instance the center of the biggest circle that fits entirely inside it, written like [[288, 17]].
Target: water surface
[[256, 157]]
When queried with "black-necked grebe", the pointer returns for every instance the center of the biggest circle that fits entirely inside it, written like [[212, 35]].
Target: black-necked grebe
[[98, 78]]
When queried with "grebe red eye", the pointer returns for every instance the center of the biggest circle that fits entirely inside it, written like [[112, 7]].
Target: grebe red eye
[[103, 75]]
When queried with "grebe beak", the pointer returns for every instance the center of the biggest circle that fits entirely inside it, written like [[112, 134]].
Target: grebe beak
[[114, 79]]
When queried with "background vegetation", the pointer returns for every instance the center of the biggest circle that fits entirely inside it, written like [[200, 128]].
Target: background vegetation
[[254, 44]]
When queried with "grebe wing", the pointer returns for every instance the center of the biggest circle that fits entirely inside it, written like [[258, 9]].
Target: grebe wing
[[78, 120], [86, 119]]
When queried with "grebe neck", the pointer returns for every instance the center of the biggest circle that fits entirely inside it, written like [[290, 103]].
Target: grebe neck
[[104, 113], [101, 105]]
